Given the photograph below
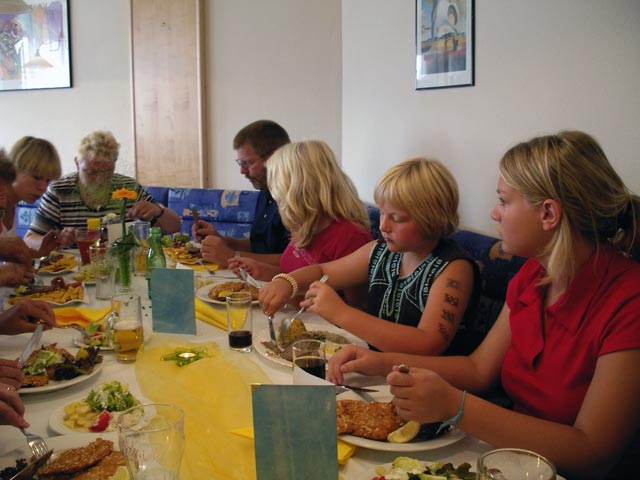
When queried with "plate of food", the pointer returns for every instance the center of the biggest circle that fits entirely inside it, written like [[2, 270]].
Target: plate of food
[[57, 263], [90, 454], [96, 331], [58, 294], [402, 467], [366, 420], [51, 368], [85, 275], [97, 412], [282, 354], [217, 292]]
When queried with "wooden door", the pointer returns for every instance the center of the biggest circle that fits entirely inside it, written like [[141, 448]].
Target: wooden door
[[168, 92]]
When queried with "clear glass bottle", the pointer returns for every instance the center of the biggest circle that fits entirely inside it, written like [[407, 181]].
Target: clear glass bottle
[[155, 257]]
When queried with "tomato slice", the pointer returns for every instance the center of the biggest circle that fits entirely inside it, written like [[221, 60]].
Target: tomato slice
[[101, 422]]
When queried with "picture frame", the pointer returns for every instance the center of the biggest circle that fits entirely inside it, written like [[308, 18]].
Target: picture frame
[[34, 44], [444, 43]]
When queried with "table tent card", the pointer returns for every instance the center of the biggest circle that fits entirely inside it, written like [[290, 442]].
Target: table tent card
[[295, 431], [172, 304]]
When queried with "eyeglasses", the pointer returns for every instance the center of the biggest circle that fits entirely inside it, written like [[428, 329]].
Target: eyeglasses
[[245, 163], [249, 164]]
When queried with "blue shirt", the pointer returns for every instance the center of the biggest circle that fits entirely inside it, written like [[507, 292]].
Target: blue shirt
[[268, 234]]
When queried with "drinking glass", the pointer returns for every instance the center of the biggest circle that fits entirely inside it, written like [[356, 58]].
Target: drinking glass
[[309, 355], [124, 327], [151, 437], [140, 230], [239, 321], [104, 261], [514, 464], [84, 239]]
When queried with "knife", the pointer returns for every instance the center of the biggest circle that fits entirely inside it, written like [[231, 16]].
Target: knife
[[34, 341], [30, 470]]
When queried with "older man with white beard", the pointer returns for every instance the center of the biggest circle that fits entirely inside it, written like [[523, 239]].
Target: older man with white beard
[[71, 200]]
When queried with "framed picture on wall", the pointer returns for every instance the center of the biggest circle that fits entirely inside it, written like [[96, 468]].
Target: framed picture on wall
[[34, 44], [444, 43]]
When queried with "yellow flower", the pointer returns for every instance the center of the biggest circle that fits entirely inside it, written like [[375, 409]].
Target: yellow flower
[[123, 193]]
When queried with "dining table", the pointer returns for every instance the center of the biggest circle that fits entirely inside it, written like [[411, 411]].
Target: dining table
[[140, 379]]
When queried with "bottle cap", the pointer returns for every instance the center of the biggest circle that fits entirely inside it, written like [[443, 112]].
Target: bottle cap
[[156, 231], [93, 224]]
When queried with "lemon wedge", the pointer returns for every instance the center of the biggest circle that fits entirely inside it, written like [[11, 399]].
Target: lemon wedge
[[120, 474], [405, 433]]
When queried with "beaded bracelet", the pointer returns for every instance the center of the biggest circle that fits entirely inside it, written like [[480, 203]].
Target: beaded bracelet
[[292, 281], [455, 420]]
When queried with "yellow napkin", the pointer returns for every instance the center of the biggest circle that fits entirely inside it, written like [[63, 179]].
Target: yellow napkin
[[345, 450], [199, 268], [215, 393], [210, 314], [80, 316]]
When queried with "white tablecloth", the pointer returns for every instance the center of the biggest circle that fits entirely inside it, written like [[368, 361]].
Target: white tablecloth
[[39, 406]]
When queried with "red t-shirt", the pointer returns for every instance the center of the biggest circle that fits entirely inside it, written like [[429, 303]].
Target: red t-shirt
[[337, 240], [547, 373]]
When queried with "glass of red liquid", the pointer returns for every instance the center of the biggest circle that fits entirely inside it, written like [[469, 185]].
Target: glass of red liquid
[[240, 321], [84, 239], [309, 355]]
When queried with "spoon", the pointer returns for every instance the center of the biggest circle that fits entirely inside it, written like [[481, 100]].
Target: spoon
[[287, 321]]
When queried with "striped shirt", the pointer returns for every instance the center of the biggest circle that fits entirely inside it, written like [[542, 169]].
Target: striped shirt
[[62, 206]]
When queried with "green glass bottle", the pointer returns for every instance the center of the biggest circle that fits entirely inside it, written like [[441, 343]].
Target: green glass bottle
[[155, 257]]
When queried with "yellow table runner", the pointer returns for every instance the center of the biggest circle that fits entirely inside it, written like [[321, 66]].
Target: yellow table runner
[[216, 396]]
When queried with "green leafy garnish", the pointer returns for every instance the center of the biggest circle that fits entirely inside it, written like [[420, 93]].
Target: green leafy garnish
[[185, 356], [111, 396]]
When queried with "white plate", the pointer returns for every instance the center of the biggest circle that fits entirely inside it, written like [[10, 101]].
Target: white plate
[[84, 299], [56, 420], [264, 336], [54, 385], [383, 395], [388, 466], [203, 293], [58, 444], [61, 272]]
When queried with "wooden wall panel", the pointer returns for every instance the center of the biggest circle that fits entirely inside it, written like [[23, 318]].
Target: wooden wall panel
[[168, 92]]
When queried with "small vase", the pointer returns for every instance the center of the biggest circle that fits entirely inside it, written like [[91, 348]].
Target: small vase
[[124, 271]]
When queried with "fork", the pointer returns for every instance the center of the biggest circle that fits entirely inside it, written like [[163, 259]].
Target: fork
[[82, 331], [200, 262], [36, 443]]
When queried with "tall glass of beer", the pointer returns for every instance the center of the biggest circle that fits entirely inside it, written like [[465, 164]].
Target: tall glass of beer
[[124, 326]]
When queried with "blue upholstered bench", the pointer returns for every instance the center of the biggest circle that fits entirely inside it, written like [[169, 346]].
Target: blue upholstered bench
[[232, 213]]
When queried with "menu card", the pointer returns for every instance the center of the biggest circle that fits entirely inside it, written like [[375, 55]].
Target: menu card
[[172, 303], [295, 431]]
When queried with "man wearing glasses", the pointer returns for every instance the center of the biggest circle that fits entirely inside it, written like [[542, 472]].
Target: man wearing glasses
[[71, 200], [254, 144]]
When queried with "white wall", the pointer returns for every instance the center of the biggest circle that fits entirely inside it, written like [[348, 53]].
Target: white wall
[[276, 59], [540, 67], [101, 93], [342, 71]]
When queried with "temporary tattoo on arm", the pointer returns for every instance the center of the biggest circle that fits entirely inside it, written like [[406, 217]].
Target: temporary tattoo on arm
[[453, 283], [449, 316], [443, 331], [451, 300]]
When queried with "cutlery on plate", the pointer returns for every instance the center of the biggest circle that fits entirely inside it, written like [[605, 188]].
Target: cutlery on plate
[[287, 321], [30, 470], [346, 388], [272, 332], [33, 342], [249, 279]]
